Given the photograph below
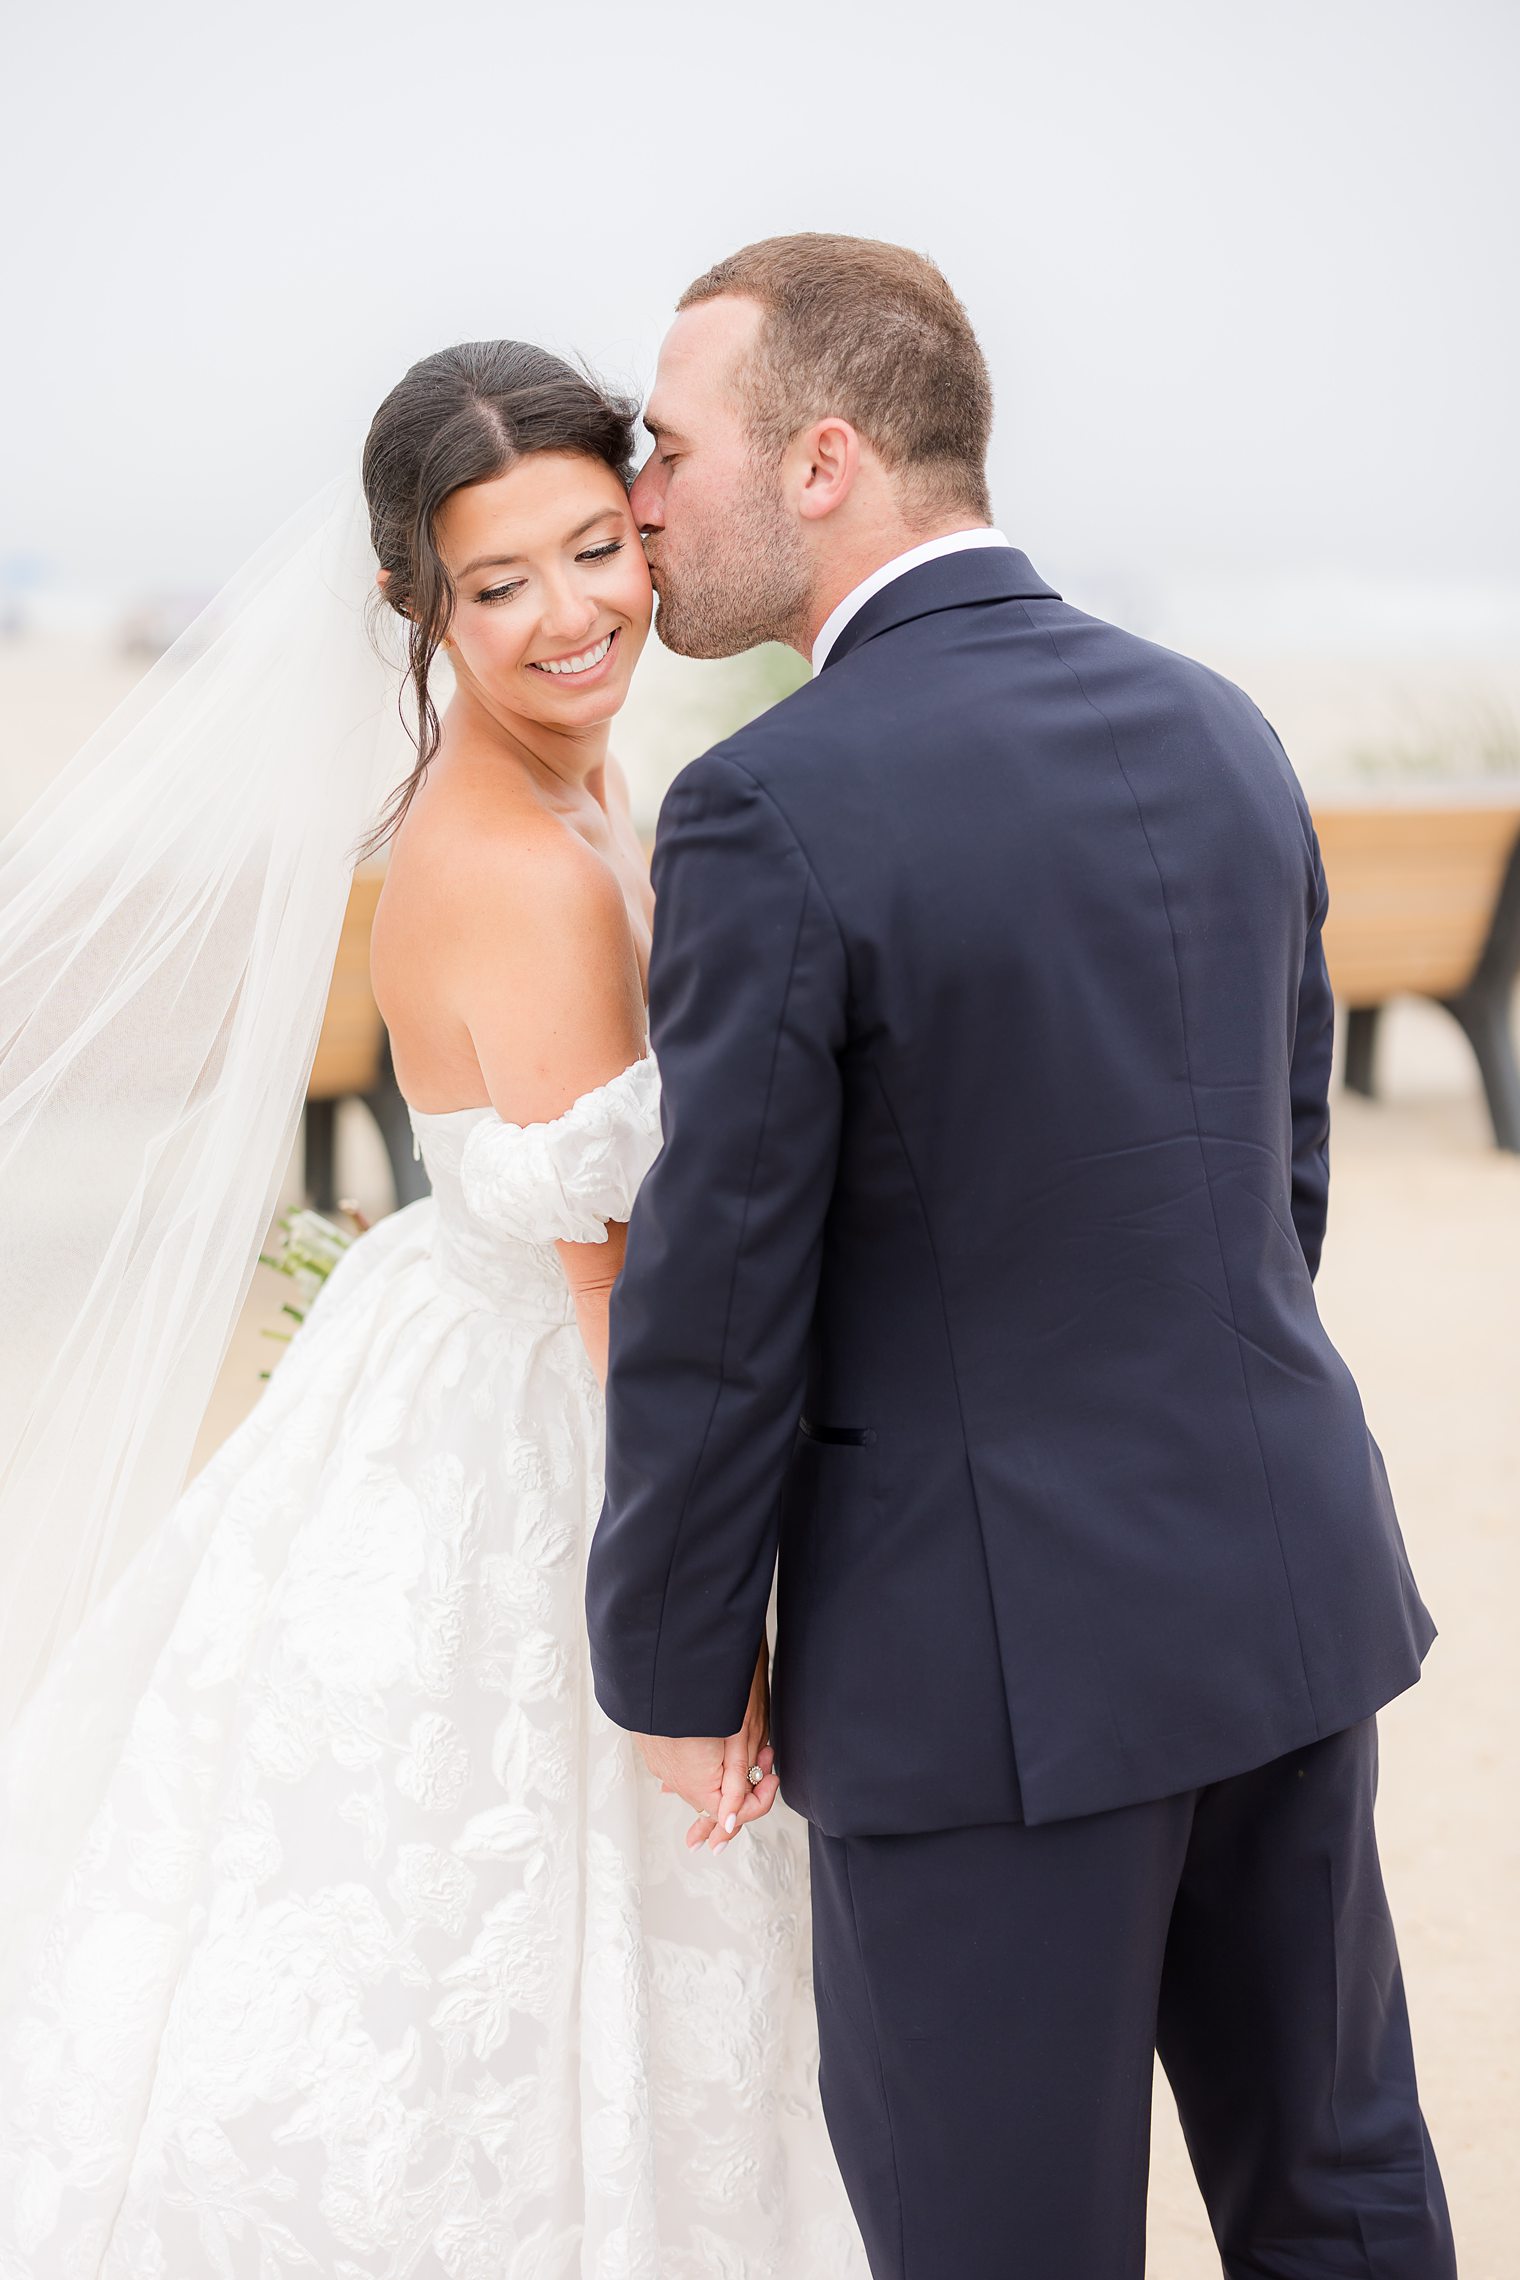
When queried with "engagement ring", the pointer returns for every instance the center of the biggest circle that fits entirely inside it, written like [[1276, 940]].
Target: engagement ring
[[755, 1774]]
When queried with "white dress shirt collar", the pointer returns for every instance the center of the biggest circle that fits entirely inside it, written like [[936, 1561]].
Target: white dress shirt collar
[[955, 542]]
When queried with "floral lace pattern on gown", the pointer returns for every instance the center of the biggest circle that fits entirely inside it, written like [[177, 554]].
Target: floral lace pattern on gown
[[380, 1956]]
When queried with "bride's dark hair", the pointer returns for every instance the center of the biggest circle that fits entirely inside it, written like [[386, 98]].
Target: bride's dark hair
[[459, 417]]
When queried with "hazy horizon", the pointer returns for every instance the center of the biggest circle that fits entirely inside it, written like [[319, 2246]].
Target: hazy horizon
[[1240, 280]]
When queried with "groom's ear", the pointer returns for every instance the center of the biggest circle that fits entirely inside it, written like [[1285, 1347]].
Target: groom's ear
[[828, 462]]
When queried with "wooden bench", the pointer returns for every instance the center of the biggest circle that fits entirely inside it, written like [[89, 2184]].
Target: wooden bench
[[1425, 902], [354, 1060]]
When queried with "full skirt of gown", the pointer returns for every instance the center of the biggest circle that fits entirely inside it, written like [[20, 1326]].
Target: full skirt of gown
[[350, 1939]]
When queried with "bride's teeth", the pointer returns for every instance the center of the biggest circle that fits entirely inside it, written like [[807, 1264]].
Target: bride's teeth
[[581, 664]]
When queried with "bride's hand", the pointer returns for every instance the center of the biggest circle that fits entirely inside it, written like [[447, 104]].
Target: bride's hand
[[713, 1776], [741, 1800]]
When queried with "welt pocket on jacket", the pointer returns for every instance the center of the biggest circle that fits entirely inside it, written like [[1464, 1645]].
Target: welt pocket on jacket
[[837, 1436]]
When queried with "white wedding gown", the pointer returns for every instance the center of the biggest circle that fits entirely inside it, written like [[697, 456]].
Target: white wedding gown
[[361, 1945]]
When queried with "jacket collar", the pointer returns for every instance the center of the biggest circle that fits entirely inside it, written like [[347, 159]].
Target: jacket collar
[[980, 574]]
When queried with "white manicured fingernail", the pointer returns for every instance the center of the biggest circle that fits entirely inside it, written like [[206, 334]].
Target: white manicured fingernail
[[731, 1823]]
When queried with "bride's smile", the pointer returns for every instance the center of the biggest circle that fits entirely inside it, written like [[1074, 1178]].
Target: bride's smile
[[578, 667]]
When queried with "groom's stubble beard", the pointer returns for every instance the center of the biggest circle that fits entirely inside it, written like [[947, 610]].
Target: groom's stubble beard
[[742, 581]]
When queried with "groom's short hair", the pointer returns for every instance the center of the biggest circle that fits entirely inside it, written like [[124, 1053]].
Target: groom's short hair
[[870, 333]]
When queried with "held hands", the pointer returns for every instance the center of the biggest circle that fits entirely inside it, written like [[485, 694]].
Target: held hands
[[713, 1775]]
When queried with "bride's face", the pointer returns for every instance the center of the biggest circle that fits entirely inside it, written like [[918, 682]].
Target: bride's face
[[553, 590]]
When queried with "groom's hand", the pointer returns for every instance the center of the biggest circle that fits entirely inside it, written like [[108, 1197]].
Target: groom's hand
[[712, 1772]]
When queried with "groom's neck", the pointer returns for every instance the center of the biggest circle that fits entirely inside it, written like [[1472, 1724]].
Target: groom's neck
[[847, 558]]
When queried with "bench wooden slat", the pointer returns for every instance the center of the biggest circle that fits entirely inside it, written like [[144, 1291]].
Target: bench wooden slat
[[351, 1039], [1412, 896]]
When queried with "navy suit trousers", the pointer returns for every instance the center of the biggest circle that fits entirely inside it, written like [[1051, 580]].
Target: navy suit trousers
[[990, 1999]]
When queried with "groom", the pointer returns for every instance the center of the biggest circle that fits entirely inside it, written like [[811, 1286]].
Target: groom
[[974, 1281]]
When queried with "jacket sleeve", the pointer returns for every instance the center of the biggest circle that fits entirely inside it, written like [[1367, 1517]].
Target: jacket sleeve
[[711, 1313], [1309, 1078]]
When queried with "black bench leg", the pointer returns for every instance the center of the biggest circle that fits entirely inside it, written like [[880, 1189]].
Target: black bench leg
[[319, 1161], [1484, 1012], [1484, 1008], [1361, 1043]]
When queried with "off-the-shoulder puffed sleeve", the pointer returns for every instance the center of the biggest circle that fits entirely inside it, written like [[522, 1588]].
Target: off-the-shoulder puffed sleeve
[[563, 1181]]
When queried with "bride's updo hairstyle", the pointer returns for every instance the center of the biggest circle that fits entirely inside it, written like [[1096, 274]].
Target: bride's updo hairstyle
[[460, 417]]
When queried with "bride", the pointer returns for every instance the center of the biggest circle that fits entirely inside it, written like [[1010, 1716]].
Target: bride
[[348, 1937]]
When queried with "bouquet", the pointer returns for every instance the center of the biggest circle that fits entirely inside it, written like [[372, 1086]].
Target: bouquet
[[310, 1246]]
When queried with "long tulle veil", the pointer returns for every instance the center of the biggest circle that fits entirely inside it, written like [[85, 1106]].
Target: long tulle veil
[[169, 912]]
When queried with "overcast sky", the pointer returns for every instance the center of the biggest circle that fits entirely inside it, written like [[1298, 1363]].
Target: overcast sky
[[1245, 272]]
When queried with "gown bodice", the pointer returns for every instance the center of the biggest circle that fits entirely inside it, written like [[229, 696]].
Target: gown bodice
[[505, 1194]]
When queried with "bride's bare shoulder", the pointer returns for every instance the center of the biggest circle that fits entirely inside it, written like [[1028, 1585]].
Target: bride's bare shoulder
[[481, 860], [502, 955]]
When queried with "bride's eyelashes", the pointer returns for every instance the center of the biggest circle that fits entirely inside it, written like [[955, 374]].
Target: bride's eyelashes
[[603, 553]]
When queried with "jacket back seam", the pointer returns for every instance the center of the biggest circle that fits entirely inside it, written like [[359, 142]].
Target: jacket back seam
[[976, 1502], [1203, 1157]]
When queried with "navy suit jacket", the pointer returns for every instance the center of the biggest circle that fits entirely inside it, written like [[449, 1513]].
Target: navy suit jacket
[[974, 1277]]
